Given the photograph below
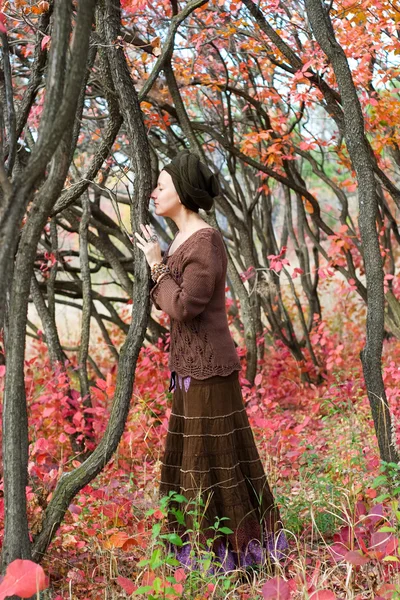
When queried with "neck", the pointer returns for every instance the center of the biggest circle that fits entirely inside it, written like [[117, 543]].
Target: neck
[[187, 221]]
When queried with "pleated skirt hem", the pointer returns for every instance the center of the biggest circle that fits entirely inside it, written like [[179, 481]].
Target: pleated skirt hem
[[212, 460]]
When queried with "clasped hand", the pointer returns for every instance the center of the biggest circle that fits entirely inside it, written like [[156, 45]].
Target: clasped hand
[[150, 247]]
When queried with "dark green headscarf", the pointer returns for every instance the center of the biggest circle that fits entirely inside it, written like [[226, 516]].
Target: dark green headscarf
[[195, 184]]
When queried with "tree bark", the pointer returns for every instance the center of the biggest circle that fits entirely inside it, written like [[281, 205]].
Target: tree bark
[[108, 23], [86, 300], [371, 355], [15, 424], [57, 117]]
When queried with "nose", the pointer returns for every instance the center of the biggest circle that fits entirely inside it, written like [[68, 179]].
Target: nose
[[153, 194]]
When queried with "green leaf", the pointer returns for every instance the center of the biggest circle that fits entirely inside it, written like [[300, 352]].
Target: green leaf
[[206, 564], [386, 529], [173, 538], [143, 562], [156, 530], [170, 590], [380, 480], [225, 530], [143, 590], [390, 558], [226, 584], [179, 498], [155, 560], [157, 584], [394, 466], [382, 497], [179, 516]]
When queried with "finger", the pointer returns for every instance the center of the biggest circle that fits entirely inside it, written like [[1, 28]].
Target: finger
[[143, 227], [146, 230], [151, 231], [139, 237]]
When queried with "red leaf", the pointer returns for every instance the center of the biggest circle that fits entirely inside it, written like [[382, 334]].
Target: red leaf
[[250, 272], [386, 590], [180, 575], [375, 514], [2, 370], [276, 589], [323, 595], [3, 23], [75, 509], [101, 383], [111, 510], [132, 5], [23, 578], [338, 551], [258, 379], [127, 584], [380, 541], [344, 536], [356, 558], [45, 42]]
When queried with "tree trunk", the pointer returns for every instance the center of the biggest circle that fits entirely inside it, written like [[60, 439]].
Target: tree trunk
[[371, 355], [15, 422], [108, 23]]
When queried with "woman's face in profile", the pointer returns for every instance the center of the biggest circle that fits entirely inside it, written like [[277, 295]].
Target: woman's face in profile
[[165, 197]]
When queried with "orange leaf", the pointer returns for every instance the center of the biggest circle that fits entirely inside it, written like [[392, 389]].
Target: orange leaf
[[309, 207], [117, 540]]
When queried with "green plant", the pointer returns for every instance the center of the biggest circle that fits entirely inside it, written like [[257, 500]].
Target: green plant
[[389, 480], [163, 557]]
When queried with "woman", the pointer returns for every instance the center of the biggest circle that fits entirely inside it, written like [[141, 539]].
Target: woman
[[210, 450]]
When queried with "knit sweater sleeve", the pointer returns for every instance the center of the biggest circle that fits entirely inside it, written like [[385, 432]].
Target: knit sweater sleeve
[[201, 269]]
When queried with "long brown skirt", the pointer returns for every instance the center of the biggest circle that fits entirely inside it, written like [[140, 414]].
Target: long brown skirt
[[211, 454]]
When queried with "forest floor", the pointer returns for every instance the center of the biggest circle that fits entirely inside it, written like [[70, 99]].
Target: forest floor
[[338, 505]]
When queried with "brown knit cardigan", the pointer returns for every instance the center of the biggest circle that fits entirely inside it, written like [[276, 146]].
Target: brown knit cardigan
[[193, 295]]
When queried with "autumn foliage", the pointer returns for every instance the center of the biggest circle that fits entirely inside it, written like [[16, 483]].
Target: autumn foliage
[[247, 87]]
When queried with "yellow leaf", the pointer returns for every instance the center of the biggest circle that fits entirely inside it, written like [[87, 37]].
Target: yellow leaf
[[359, 18]]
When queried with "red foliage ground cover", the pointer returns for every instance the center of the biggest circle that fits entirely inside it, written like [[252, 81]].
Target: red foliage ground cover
[[314, 440]]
